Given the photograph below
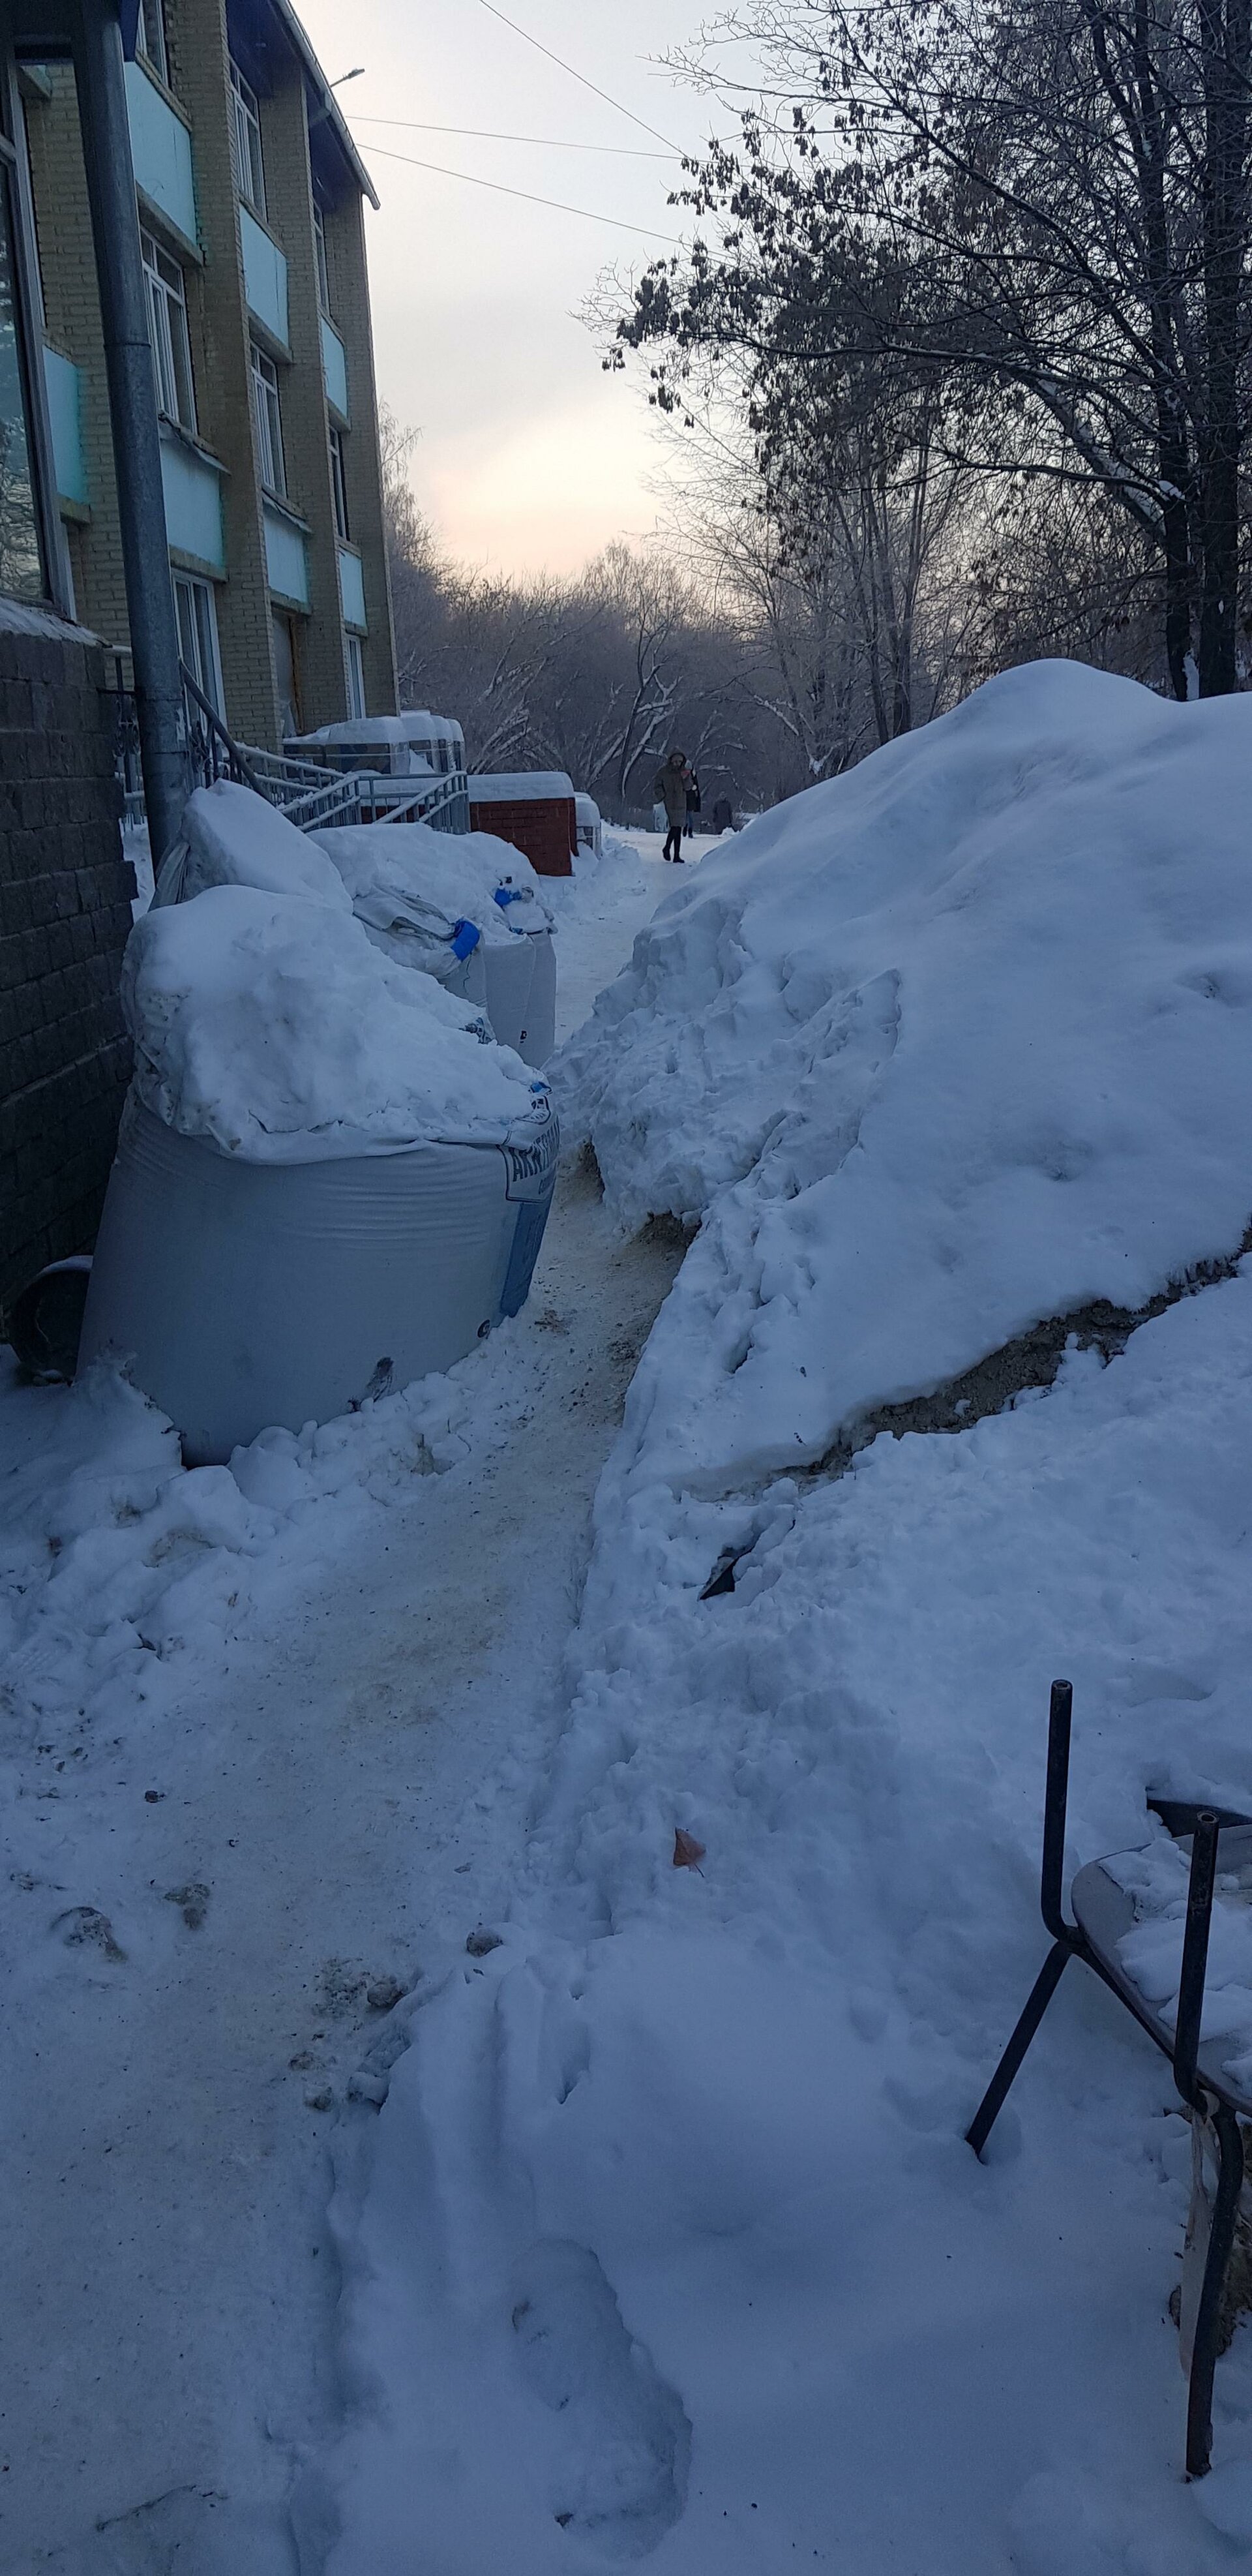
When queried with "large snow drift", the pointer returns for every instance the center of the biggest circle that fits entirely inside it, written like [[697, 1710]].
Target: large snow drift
[[273, 1028], [671, 2249], [956, 1042]]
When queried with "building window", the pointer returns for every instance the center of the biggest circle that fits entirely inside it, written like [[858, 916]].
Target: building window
[[167, 329], [21, 558], [197, 636], [268, 419], [285, 674], [245, 142], [355, 665], [339, 484], [319, 246], [150, 38]]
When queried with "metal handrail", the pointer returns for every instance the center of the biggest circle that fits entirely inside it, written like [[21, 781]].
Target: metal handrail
[[301, 790], [430, 802], [224, 756], [309, 793]]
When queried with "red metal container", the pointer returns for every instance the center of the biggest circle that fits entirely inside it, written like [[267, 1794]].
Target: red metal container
[[534, 810]]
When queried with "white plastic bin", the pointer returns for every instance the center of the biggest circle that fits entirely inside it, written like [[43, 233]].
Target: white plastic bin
[[243, 1294], [516, 987]]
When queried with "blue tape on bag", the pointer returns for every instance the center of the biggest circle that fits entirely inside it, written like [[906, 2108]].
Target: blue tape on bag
[[507, 894], [465, 938]]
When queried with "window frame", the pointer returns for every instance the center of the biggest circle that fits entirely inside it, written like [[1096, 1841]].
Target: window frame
[[319, 254], [206, 666], [246, 148], [151, 19], [54, 562], [339, 482], [267, 421], [284, 626], [354, 675], [169, 330]]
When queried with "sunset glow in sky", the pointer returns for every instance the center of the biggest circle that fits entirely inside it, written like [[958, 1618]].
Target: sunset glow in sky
[[530, 457]]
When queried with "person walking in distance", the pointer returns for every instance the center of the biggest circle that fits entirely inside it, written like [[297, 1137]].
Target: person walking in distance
[[671, 791], [693, 804]]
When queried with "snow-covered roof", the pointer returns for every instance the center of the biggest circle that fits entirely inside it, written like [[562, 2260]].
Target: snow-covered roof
[[511, 786], [25, 617], [413, 724]]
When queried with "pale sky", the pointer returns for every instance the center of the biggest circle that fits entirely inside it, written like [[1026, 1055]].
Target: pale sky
[[529, 456]]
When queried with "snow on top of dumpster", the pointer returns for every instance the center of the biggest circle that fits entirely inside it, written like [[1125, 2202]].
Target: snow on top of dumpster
[[234, 837], [948, 1045], [402, 876], [275, 1030], [510, 786]]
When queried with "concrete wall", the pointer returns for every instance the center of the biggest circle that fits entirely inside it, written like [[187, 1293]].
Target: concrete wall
[[65, 915]]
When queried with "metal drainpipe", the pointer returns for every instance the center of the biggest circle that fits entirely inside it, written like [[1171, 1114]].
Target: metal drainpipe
[[97, 47]]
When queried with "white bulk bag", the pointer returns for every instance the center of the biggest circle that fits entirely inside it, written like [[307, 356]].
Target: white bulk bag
[[516, 987], [240, 1294], [539, 1034]]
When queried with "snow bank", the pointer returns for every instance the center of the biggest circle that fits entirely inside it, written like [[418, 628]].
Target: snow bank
[[274, 1029], [235, 837], [953, 1043], [671, 2236], [407, 882]]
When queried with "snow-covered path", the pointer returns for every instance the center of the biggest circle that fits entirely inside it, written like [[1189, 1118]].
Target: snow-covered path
[[212, 1912]]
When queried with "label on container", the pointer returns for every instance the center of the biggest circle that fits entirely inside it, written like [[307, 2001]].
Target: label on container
[[532, 1165]]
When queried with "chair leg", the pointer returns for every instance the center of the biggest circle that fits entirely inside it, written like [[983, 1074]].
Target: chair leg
[[1032, 2013], [1209, 2313]]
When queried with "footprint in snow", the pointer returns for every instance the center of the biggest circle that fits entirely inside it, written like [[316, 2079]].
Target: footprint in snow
[[192, 1902], [625, 2439], [84, 1927]]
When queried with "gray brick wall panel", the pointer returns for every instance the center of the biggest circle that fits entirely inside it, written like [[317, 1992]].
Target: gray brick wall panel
[[65, 915]]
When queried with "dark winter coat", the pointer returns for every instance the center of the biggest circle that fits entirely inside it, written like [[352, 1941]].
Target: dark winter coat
[[671, 788]]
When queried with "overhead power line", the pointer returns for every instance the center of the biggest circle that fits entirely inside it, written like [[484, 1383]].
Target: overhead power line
[[563, 66], [379, 152], [550, 142]]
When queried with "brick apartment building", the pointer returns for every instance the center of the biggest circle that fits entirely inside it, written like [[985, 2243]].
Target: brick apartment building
[[250, 198], [248, 232]]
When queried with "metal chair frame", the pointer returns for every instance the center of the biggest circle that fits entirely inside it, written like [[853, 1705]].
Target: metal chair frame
[[1207, 2092]]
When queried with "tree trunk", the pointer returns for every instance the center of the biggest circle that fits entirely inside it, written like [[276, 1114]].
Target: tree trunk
[[1224, 43]]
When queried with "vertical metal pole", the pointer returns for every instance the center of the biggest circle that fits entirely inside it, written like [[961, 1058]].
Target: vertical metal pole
[[1195, 1951], [1056, 1800], [101, 86], [1208, 2324]]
